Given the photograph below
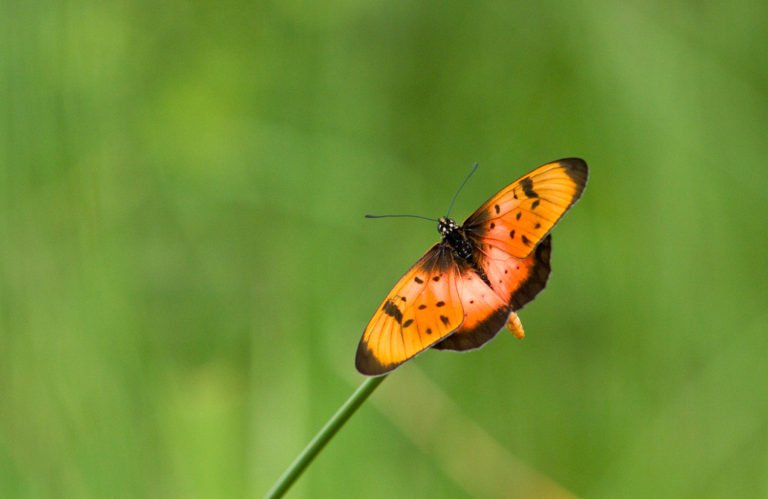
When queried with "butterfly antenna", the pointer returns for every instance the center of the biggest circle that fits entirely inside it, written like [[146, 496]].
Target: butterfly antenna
[[401, 216], [460, 188]]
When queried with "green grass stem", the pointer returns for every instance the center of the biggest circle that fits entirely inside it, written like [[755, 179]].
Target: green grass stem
[[323, 436]]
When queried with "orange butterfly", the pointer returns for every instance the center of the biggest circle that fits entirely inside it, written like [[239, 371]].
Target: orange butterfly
[[465, 288]]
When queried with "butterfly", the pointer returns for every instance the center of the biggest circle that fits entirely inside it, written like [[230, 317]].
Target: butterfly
[[466, 287]]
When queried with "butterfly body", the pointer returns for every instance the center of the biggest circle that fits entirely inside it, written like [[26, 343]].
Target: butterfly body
[[460, 244], [469, 285], [454, 236]]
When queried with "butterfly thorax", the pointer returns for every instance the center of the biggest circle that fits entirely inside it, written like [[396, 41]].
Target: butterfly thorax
[[454, 235]]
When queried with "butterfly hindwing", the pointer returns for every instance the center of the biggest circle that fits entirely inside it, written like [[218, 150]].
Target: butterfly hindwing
[[485, 312], [514, 282], [518, 280], [520, 215], [421, 309]]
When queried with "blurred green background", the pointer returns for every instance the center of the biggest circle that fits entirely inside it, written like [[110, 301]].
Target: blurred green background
[[185, 270]]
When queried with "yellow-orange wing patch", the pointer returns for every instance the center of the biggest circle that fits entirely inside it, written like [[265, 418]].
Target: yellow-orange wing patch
[[520, 215], [423, 308]]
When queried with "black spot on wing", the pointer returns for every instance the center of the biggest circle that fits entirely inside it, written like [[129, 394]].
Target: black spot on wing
[[496, 207], [527, 185], [391, 310], [535, 204], [445, 319], [526, 241], [418, 280], [422, 306], [440, 303], [407, 323]]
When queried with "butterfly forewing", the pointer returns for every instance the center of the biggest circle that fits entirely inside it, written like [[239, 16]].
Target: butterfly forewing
[[422, 308], [520, 215]]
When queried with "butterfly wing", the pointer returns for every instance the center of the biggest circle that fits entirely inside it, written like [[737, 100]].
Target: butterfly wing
[[514, 282], [423, 308], [521, 214]]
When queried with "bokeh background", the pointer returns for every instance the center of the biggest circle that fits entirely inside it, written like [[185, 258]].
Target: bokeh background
[[185, 270]]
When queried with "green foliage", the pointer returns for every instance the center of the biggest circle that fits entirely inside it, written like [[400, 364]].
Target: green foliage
[[185, 269]]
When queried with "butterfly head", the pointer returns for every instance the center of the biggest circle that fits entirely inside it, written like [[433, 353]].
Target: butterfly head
[[445, 226]]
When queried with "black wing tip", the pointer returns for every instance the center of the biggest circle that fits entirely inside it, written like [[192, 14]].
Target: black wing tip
[[578, 171], [576, 168], [574, 162], [367, 365]]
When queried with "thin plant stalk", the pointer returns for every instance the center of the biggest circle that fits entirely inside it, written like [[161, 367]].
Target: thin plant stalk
[[323, 437]]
